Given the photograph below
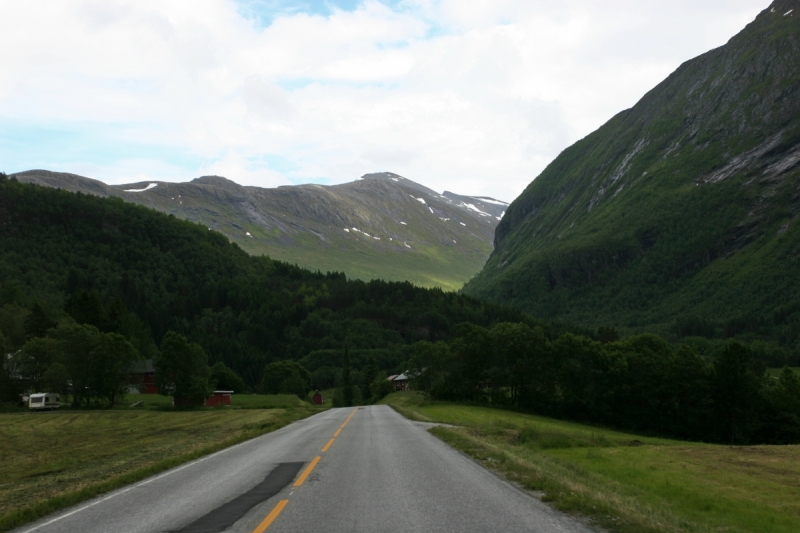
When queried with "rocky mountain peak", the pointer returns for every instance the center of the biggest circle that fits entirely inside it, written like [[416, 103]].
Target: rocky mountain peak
[[217, 181]]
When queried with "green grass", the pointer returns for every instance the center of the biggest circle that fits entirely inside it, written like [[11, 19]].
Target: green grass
[[238, 401], [626, 482], [49, 461], [776, 372], [425, 266]]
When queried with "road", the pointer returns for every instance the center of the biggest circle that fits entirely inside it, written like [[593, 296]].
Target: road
[[343, 470]]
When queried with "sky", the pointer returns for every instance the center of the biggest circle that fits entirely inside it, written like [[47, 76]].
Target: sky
[[471, 96]]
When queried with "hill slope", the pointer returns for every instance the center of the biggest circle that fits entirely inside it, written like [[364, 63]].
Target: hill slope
[[126, 269], [380, 226], [682, 208]]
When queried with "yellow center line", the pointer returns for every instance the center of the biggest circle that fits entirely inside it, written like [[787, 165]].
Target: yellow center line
[[348, 419], [271, 517], [337, 432], [306, 472], [325, 449]]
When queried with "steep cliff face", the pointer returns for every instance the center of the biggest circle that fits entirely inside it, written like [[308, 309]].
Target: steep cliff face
[[379, 226], [685, 204]]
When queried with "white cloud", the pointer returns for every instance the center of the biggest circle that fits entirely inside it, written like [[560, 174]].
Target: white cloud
[[266, 99], [233, 164], [475, 97]]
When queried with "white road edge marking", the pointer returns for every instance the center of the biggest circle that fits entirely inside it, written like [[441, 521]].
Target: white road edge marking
[[137, 485]]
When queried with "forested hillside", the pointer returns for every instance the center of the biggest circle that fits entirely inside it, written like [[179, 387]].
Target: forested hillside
[[88, 286], [678, 216], [127, 269]]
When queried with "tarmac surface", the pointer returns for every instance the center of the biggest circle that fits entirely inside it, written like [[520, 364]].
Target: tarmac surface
[[344, 470]]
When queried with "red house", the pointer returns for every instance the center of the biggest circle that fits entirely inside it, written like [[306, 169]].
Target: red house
[[143, 376], [219, 397]]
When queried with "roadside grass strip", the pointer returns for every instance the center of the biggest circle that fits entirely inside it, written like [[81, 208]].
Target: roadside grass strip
[[88, 453], [625, 482]]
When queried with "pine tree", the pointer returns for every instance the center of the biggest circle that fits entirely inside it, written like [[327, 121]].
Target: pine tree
[[348, 383], [370, 372], [38, 322]]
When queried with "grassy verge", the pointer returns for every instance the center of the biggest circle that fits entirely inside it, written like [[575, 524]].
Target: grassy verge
[[625, 482], [49, 461]]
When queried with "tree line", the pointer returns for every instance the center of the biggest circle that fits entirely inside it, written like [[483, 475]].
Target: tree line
[[638, 383]]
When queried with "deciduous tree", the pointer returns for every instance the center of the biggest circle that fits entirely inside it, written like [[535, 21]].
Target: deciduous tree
[[182, 370]]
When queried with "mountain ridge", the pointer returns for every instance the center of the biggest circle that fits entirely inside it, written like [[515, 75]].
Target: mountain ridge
[[674, 206], [379, 226]]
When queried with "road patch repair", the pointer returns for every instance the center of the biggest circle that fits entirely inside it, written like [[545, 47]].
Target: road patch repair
[[281, 504], [226, 515]]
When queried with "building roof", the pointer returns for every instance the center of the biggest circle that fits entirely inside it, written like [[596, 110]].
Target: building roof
[[401, 377], [143, 367]]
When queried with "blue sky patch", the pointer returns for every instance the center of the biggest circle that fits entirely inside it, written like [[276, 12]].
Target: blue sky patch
[[27, 147], [264, 12]]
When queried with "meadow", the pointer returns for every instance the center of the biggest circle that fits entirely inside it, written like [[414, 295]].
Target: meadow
[[625, 482], [55, 459], [776, 372]]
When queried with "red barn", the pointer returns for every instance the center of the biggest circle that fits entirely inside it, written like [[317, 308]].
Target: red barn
[[143, 375], [318, 398], [219, 397]]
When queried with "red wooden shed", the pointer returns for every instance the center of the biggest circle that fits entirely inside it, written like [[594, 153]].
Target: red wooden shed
[[143, 377], [318, 398], [219, 397]]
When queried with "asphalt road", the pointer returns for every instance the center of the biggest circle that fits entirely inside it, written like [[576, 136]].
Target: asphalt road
[[379, 472]]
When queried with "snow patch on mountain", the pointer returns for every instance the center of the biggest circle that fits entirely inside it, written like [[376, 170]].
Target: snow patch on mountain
[[150, 186], [473, 208], [491, 200]]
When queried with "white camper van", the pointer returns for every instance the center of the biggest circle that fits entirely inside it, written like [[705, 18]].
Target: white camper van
[[44, 400]]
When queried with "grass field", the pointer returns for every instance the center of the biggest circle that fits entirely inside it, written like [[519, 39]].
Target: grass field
[[238, 401], [55, 459], [625, 482], [776, 372]]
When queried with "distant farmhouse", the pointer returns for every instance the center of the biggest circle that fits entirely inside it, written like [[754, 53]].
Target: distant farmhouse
[[400, 381], [143, 375]]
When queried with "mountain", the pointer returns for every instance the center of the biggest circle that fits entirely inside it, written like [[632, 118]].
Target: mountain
[[677, 214], [380, 226], [126, 269]]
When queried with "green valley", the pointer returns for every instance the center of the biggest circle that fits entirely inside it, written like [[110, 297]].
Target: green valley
[[73, 259]]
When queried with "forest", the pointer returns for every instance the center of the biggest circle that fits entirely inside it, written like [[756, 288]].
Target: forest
[[89, 286], [113, 268], [639, 383]]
